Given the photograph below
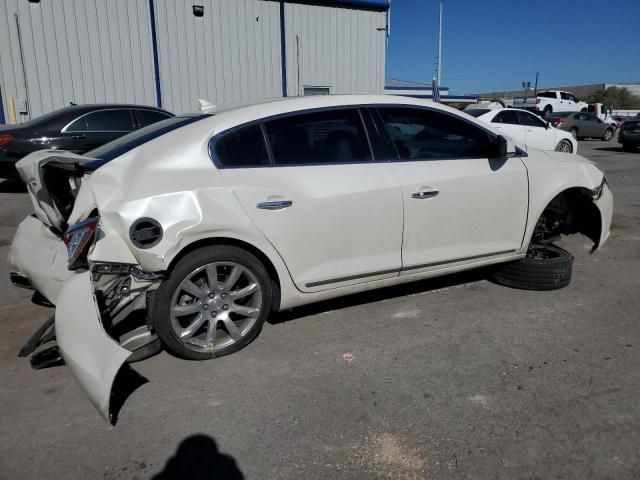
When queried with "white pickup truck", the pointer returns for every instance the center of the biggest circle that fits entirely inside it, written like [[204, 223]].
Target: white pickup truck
[[551, 101]]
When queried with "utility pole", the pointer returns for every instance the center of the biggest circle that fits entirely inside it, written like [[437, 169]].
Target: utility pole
[[439, 59], [535, 88]]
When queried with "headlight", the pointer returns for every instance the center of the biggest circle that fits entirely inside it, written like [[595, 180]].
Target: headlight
[[78, 239]]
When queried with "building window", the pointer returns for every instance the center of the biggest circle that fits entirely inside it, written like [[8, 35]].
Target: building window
[[316, 90]]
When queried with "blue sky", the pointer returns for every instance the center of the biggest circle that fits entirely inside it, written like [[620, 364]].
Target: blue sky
[[495, 45]]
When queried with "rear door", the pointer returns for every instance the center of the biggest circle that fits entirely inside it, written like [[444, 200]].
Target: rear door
[[460, 206], [333, 213], [537, 133], [507, 121], [99, 127]]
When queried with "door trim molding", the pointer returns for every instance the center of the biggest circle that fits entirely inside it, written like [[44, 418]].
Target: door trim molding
[[404, 269]]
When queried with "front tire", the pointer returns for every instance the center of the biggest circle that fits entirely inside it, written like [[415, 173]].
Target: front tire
[[608, 135], [564, 146], [213, 303], [546, 267]]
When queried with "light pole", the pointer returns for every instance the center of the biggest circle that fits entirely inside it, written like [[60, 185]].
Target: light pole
[[439, 58]]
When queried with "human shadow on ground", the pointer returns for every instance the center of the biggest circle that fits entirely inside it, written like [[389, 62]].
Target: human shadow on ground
[[198, 458]]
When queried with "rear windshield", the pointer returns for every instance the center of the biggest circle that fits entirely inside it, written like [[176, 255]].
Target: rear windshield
[[122, 145], [476, 112], [633, 125]]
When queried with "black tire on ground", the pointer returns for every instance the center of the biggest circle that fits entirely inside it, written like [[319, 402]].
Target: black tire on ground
[[608, 135], [546, 267], [547, 110], [164, 296]]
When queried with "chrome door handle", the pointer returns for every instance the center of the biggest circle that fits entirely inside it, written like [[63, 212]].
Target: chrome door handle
[[274, 204], [425, 194]]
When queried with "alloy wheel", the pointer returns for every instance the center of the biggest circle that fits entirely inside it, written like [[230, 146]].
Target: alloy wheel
[[215, 306]]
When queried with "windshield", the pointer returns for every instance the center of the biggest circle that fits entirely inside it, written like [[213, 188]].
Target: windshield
[[476, 112], [558, 114], [121, 145]]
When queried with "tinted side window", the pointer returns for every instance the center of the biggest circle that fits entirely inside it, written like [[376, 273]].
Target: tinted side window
[[110, 121], [334, 136], [530, 120], [506, 116], [79, 125], [147, 117], [547, 94], [426, 134], [244, 147], [564, 96]]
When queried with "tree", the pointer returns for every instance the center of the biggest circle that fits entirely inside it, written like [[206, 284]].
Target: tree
[[619, 98]]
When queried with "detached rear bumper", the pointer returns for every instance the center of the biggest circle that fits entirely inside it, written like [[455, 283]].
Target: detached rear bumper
[[605, 205], [93, 356]]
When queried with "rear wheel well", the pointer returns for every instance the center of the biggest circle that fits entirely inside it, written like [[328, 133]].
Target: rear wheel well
[[264, 259], [571, 211]]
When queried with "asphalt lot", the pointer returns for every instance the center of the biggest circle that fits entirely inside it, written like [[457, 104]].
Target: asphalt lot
[[452, 378]]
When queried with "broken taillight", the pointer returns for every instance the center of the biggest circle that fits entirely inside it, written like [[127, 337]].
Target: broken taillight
[[78, 239], [5, 139]]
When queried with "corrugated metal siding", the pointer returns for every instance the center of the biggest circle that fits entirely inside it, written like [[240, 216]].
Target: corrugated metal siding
[[82, 51], [341, 48], [230, 55], [88, 51]]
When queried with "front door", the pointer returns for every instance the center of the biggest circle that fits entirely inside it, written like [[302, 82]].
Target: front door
[[333, 214], [537, 131], [459, 205]]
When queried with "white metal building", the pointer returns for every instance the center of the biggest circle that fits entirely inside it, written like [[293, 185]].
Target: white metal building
[[169, 53]]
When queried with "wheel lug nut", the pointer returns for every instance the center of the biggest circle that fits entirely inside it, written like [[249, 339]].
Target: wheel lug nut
[[225, 307], [214, 313], [205, 306], [211, 295], [224, 295]]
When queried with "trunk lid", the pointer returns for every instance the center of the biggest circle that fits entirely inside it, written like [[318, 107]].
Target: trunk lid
[[53, 178]]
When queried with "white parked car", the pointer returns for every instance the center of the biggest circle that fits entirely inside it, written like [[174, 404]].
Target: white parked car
[[527, 129], [190, 232]]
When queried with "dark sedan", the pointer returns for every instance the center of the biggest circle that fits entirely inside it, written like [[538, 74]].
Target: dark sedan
[[629, 135], [581, 125], [78, 128]]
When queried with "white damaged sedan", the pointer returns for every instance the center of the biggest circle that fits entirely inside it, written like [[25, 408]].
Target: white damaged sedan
[[188, 233]]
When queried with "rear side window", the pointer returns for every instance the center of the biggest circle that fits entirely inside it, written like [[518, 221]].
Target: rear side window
[[243, 147], [421, 134], [506, 116], [148, 117], [334, 136], [547, 94]]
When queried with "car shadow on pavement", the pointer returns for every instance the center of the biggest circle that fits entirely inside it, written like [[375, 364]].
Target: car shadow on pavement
[[611, 149], [12, 186], [376, 295], [198, 458]]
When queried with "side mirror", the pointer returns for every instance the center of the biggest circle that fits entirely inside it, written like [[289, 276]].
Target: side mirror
[[500, 147], [547, 125]]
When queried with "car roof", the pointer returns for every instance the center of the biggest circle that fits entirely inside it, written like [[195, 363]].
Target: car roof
[[59, 118], [227, 117]]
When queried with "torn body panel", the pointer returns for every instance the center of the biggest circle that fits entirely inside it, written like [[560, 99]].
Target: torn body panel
[[39, 255], [92, 355]]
